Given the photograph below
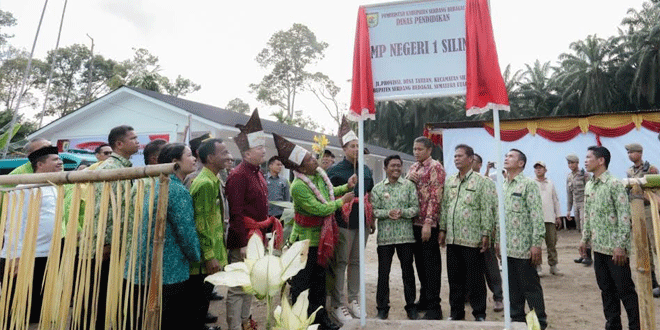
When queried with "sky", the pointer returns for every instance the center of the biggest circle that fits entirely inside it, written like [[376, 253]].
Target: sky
[[214, 43]]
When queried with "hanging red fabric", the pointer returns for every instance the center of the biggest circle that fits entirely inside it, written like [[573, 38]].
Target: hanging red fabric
[[559, 136], [485, 86], [508, 136], [362, 95], [612, 132]]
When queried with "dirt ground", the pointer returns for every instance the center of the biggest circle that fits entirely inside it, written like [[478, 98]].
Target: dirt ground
[[572, 299]]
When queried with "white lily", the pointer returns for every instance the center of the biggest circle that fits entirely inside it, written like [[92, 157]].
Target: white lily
[[294, 317], [263, 274]]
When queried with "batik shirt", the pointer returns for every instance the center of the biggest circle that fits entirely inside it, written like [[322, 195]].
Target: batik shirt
[[523, 213], [387, 196], [467, 210], [429, 189], [606, 215]]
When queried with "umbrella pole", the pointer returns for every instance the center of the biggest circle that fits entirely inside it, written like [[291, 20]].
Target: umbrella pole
[[363, 300], [502, 224]]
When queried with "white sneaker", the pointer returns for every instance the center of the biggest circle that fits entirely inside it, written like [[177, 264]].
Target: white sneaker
[[539, 270], [341, 314], [354, 308], [554, 270]]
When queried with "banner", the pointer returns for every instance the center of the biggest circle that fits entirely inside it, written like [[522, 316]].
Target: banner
[[417, 49]]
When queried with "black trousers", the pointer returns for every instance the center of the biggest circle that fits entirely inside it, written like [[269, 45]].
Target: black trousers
[[176, 305], [103, 294], [429, 268], [385, 254], [311, 277], [493, 275], [615, 283], [37, 280], [465, 269], [199, 295], [525, 285]]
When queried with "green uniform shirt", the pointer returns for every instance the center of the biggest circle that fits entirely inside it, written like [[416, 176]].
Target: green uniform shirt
[[467, 210], [208, 204], [523, 213], [607, 215], [306, 203], [386, 196]]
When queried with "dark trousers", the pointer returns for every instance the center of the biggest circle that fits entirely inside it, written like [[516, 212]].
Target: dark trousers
[[176, 306], [103, 294], [525, 285], [37, 280], [311, 277], [465, 269], [385, 254], [429, 268], [199, 294], [615, 283], [493, 275]]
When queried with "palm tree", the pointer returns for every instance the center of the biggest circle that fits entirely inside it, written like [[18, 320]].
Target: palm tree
[[537, 91]]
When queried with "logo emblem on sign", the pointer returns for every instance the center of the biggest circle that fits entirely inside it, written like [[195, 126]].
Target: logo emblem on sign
[[372, 20]]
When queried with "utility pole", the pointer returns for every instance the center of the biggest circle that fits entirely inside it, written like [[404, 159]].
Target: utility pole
[[89, 76], [52, 67]]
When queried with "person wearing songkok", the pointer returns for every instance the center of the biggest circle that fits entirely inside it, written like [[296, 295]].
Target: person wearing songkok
[[394, 201], [181, 245], [328, 160], [27, 168], [247, 194], [194, 145], [278, 187], [314, 204], [575, 182], [465, 227], [124, 143], [43, 160], [346, 266], [607, 226], [551, 215], [208, 201], [492, 272], [639, 169], [429, 178], [524, 233]]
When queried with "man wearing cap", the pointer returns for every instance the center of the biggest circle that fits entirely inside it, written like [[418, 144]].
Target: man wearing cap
[[551, 215], [638, 170], [575, 182], [42, 160], [314, 204], [347, 259], [247, 194], [26, 168]]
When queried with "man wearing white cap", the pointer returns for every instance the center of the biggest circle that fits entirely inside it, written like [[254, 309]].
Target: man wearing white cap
[[551, 215]]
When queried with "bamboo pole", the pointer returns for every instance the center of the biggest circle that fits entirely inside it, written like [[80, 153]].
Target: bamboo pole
[[87, 176], [153, 316], [643, 265]]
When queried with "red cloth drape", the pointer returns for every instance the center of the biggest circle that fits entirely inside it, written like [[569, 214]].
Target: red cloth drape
[[612, 132], [651, 125], [362, 95], [508, 136], [559, 136], [485, 86], [435, 138]]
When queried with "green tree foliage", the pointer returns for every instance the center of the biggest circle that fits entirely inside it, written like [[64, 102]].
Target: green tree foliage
[[325, 91], [11, 77], [287, 55], [238, 105], [6, 20]]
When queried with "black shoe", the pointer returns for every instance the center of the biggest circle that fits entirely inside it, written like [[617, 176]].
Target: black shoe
[[383, 314], [587, 262], [656, 292], [578, 260], [421, 306], [433, 314], [480, 319], [328, 326], [216, 296], [412, 313], [211, 327], [210, 318]]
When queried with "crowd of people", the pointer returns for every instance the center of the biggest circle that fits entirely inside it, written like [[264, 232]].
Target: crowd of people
[[213, 210]]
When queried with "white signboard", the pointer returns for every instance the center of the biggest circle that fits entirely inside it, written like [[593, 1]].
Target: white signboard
[[417, 49]]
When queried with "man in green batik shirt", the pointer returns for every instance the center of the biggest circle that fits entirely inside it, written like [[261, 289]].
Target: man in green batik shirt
[[465, 226], [607, 230], [208, 204], [394, 201], [525, 231]]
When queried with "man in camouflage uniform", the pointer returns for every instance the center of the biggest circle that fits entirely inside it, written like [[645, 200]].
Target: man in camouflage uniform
[[575, 182], [638, 170]]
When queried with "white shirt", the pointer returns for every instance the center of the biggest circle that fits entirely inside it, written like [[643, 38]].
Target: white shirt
[[549, 200], [46, 224]]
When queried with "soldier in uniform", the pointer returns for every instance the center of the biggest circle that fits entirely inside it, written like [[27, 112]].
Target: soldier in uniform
[[638, 170], [575, 182]]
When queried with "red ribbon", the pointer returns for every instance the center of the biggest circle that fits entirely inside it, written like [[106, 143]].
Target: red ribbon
[[329, 235], [256, 228], [347, 207]]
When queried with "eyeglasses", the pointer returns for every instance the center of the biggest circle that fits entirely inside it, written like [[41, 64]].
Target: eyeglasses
[[107, 153]]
